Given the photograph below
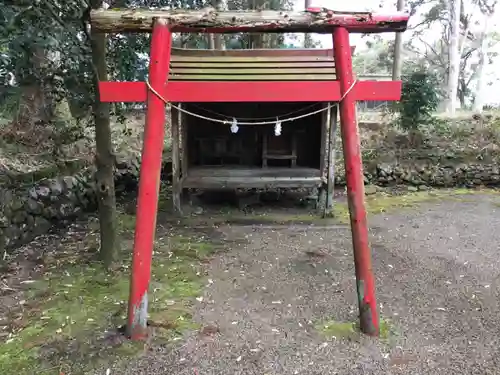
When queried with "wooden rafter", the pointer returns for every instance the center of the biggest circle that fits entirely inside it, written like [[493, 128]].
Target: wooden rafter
[[317, 20]]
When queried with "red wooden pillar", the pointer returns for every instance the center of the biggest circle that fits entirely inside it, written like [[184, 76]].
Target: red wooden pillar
[[355, 184], [149, 182]]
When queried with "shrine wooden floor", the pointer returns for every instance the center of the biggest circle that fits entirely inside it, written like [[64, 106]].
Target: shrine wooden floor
[[215, 177]]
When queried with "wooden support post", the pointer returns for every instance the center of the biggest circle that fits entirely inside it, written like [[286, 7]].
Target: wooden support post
[[184, 141], [323, 162], [294, 150], [176, 159], [355, 185], [149, 183], [264, 148], [330, 182]]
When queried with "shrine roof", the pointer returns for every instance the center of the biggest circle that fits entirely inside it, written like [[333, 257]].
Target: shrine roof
[[252, 65]]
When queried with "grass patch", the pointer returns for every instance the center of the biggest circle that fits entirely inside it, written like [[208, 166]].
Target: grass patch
[[350, 330], [69, 309], [333, 328], [385, 202]]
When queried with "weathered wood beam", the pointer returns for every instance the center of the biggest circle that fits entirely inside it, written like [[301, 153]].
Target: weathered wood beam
[[317, 20]]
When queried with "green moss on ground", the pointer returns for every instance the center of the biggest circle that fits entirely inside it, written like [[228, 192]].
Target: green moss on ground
[[69, 309], [382, 202], [332, 328], [377, 203], [350, 330]]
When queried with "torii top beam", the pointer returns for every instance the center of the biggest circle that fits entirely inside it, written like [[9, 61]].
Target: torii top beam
[[312, 20]]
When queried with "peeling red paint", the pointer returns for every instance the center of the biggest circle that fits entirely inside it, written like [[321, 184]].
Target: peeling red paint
[[355, 185], [149, 184]]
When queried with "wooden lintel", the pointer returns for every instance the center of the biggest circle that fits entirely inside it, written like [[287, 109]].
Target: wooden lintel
[[209, 20], [250, 91]]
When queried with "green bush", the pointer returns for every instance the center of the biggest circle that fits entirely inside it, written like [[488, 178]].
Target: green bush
[[419, 99]]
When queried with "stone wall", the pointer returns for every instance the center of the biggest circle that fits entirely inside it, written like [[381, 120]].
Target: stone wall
[[428, 175], [29, 211]]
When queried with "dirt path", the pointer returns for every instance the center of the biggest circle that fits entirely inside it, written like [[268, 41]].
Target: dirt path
[[437, 270]]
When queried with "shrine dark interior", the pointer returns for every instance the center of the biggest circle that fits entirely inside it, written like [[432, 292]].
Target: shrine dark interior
[[211, 143]]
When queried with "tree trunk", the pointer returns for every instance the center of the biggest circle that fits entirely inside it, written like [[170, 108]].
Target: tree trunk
[[211, 41], [105, 185], [454, 56], [34, 105], [483, 58], [308, 41], [397, 66], [215, 40], [218, 40], [461, 92]]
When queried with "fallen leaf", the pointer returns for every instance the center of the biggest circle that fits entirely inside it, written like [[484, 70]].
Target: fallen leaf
[[210, 330], [315, 254]]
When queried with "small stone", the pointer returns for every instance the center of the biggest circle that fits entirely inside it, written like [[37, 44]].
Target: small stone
[[42, 192], [32, 193], [19, 217], [371, 189], [41, 225], [56, 187], [210, 330], [65, 210], [17, 203], [70, 182], [33, 206], [50, 212], [412, 188]]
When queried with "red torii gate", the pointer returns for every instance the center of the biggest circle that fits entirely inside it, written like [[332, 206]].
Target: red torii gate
[[345, 90]]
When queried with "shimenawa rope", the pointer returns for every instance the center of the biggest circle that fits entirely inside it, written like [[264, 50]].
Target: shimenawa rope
[[227, 122]]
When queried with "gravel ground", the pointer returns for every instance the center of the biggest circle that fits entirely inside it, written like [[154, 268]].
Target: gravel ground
[[437, 269]]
